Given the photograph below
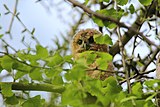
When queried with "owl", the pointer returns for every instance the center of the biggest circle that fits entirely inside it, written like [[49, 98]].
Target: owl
[[84, 41], [158, 67]]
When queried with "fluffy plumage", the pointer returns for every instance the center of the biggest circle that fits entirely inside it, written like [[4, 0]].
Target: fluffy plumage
[[84, 41]]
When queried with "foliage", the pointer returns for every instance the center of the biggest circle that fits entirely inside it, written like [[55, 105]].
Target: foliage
[[72, 87]]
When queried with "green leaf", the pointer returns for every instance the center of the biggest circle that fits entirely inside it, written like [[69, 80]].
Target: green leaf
[[131, 8], [110, 25], [5, 6], [122, 2], [24, 30], [7, 89], [76, 73], [22, 67], [56, 59], [151, 83], [105, 55], [145, 2], [94, 87], [72, 96], [1, 35], [91, 58], [19, 74], [87, 57], [151, 97], [111, 91], [102, 63], [86, 2], [128, 98], [98, 21], [41, 51], [137, 89], [139, 103], [119, 97], [34, 102], [103, 39], [30, 57], [6, 63], [112, 86], [33, 30], [103, 60], [111, 13], [140, 64], [1, 68], [12, 100], [36, 74], [68, 58], [110, 80], [57, 80], [50, 73], [15, 64], [106, 1], [33, 59]]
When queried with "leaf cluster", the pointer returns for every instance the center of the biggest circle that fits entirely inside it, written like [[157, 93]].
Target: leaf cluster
[[41, 65]]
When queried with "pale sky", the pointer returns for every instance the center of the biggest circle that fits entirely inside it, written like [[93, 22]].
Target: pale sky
[[34, 15], [48, 24]]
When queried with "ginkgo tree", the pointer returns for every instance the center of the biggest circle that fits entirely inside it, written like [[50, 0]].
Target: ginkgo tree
[[129, 26]]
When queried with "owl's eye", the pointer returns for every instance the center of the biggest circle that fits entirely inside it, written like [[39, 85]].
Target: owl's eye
[[91, 40], [79, 42]]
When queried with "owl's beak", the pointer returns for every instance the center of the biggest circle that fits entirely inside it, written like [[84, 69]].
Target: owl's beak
[[86, 46]]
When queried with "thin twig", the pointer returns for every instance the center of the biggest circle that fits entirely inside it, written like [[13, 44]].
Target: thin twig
[[150, 60], [30, 32], [123, 60], [136, 75], [24, 62], [12, 19], [15, 14], [8, 45], [126, 37], [33, 66], [103, 17]]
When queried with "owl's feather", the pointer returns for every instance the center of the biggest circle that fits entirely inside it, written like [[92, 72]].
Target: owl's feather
[[84, 41]]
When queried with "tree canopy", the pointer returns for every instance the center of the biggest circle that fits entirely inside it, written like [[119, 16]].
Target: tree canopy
[[130, 27]]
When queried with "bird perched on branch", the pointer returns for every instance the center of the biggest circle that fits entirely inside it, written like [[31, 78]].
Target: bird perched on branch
[[84, 41]]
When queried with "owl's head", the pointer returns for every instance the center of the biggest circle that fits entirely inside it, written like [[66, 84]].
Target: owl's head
[[84, 41]]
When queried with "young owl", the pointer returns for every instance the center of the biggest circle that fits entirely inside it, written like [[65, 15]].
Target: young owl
[[84, 41]]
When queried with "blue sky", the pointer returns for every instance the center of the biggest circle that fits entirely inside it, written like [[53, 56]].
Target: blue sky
[[47, 24], [50, 22]]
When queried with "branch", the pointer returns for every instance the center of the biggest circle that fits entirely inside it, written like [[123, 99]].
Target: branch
[[15, 15], [150, 60], [34, 87], [8, 45], [125, 38], [12, 19], [23, 62], [123, 60], [136, 75], [103, 17]]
